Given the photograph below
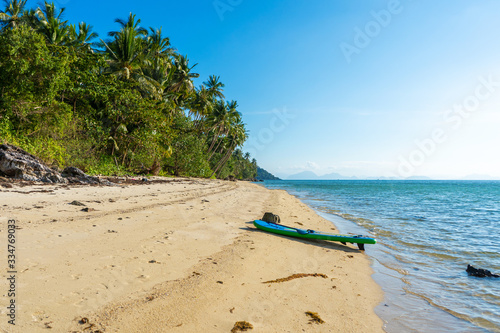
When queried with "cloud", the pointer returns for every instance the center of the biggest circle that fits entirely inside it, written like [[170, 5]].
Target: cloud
[[312, 166]]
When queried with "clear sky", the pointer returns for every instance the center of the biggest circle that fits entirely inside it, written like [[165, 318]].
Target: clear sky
[[364, 88]]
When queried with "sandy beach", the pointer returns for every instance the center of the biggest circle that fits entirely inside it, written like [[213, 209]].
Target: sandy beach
[[180, 255]]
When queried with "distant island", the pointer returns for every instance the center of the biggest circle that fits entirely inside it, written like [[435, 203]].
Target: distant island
[[264, 175], [310, 175]]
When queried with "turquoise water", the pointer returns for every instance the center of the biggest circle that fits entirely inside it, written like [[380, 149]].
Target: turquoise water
[[428, 231]]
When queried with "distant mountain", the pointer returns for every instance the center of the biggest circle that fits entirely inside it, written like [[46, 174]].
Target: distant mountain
[[304, 175], [381, 178], [264, 175], [336, 176], [309, 175]]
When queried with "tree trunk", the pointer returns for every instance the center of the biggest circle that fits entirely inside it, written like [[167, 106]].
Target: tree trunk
[[223, 161], [215, 150], [228, 156], [213, 141]]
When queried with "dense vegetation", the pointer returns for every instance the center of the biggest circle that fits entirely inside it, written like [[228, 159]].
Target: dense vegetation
[[265, 175], [123, 104]]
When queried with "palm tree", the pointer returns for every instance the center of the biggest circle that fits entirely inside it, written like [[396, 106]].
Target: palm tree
[[11, 17], [236, 137], [131, 23], [200, 105], [205, 98], [178, 87], [158, 64], [125, 51], [127, 56], [183, 77], [82, 39], [30, 18], [221, 119], [158, 47], [51, 26], [214, 87]]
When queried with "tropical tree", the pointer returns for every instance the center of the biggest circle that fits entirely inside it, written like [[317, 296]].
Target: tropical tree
[[126, 55], [201, 104], [128, 104], [214, 87], [236, 137], [131, 23], [223, 116], [83, 38], [179, 85], [158, 46], [126, 50], [157, 64], [51, 25], [11, 16]]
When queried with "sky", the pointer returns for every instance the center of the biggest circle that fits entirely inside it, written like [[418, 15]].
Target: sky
[[361, 88]]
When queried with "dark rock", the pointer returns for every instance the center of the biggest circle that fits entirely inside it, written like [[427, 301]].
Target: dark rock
[[17, 163], [479, 272], [77, 203], [73, 172], [270, 217], [77, 176]]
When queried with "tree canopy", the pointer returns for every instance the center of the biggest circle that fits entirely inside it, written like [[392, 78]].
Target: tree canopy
[[122, 104]]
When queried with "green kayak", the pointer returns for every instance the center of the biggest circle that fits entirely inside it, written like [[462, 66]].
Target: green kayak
[[312, 234]]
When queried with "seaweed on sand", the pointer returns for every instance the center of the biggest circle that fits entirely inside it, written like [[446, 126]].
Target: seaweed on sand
[[315, 318], [241, 326], [297, 276]]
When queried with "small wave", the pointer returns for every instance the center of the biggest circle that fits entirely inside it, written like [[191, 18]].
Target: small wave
[[478, 321], [439, 255]]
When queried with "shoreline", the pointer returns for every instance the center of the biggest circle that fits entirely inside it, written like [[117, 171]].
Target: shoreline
[[178, 256], [402, 309]]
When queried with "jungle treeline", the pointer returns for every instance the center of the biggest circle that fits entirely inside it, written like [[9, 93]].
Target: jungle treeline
[[124, 103]]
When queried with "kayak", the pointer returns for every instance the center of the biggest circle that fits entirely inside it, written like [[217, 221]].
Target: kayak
[[312, 234]]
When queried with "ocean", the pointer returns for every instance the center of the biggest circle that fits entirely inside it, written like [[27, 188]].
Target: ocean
[[427, 233]]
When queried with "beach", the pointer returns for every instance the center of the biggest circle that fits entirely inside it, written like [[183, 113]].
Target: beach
[[176, 255]]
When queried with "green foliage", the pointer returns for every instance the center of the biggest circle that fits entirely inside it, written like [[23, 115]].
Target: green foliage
[[129, 107], [189, 155], [103, 165], [30, 69], [264, 175], [239, 166]]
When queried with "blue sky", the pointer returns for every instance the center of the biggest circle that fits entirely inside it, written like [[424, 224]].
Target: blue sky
[[363, 88]]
